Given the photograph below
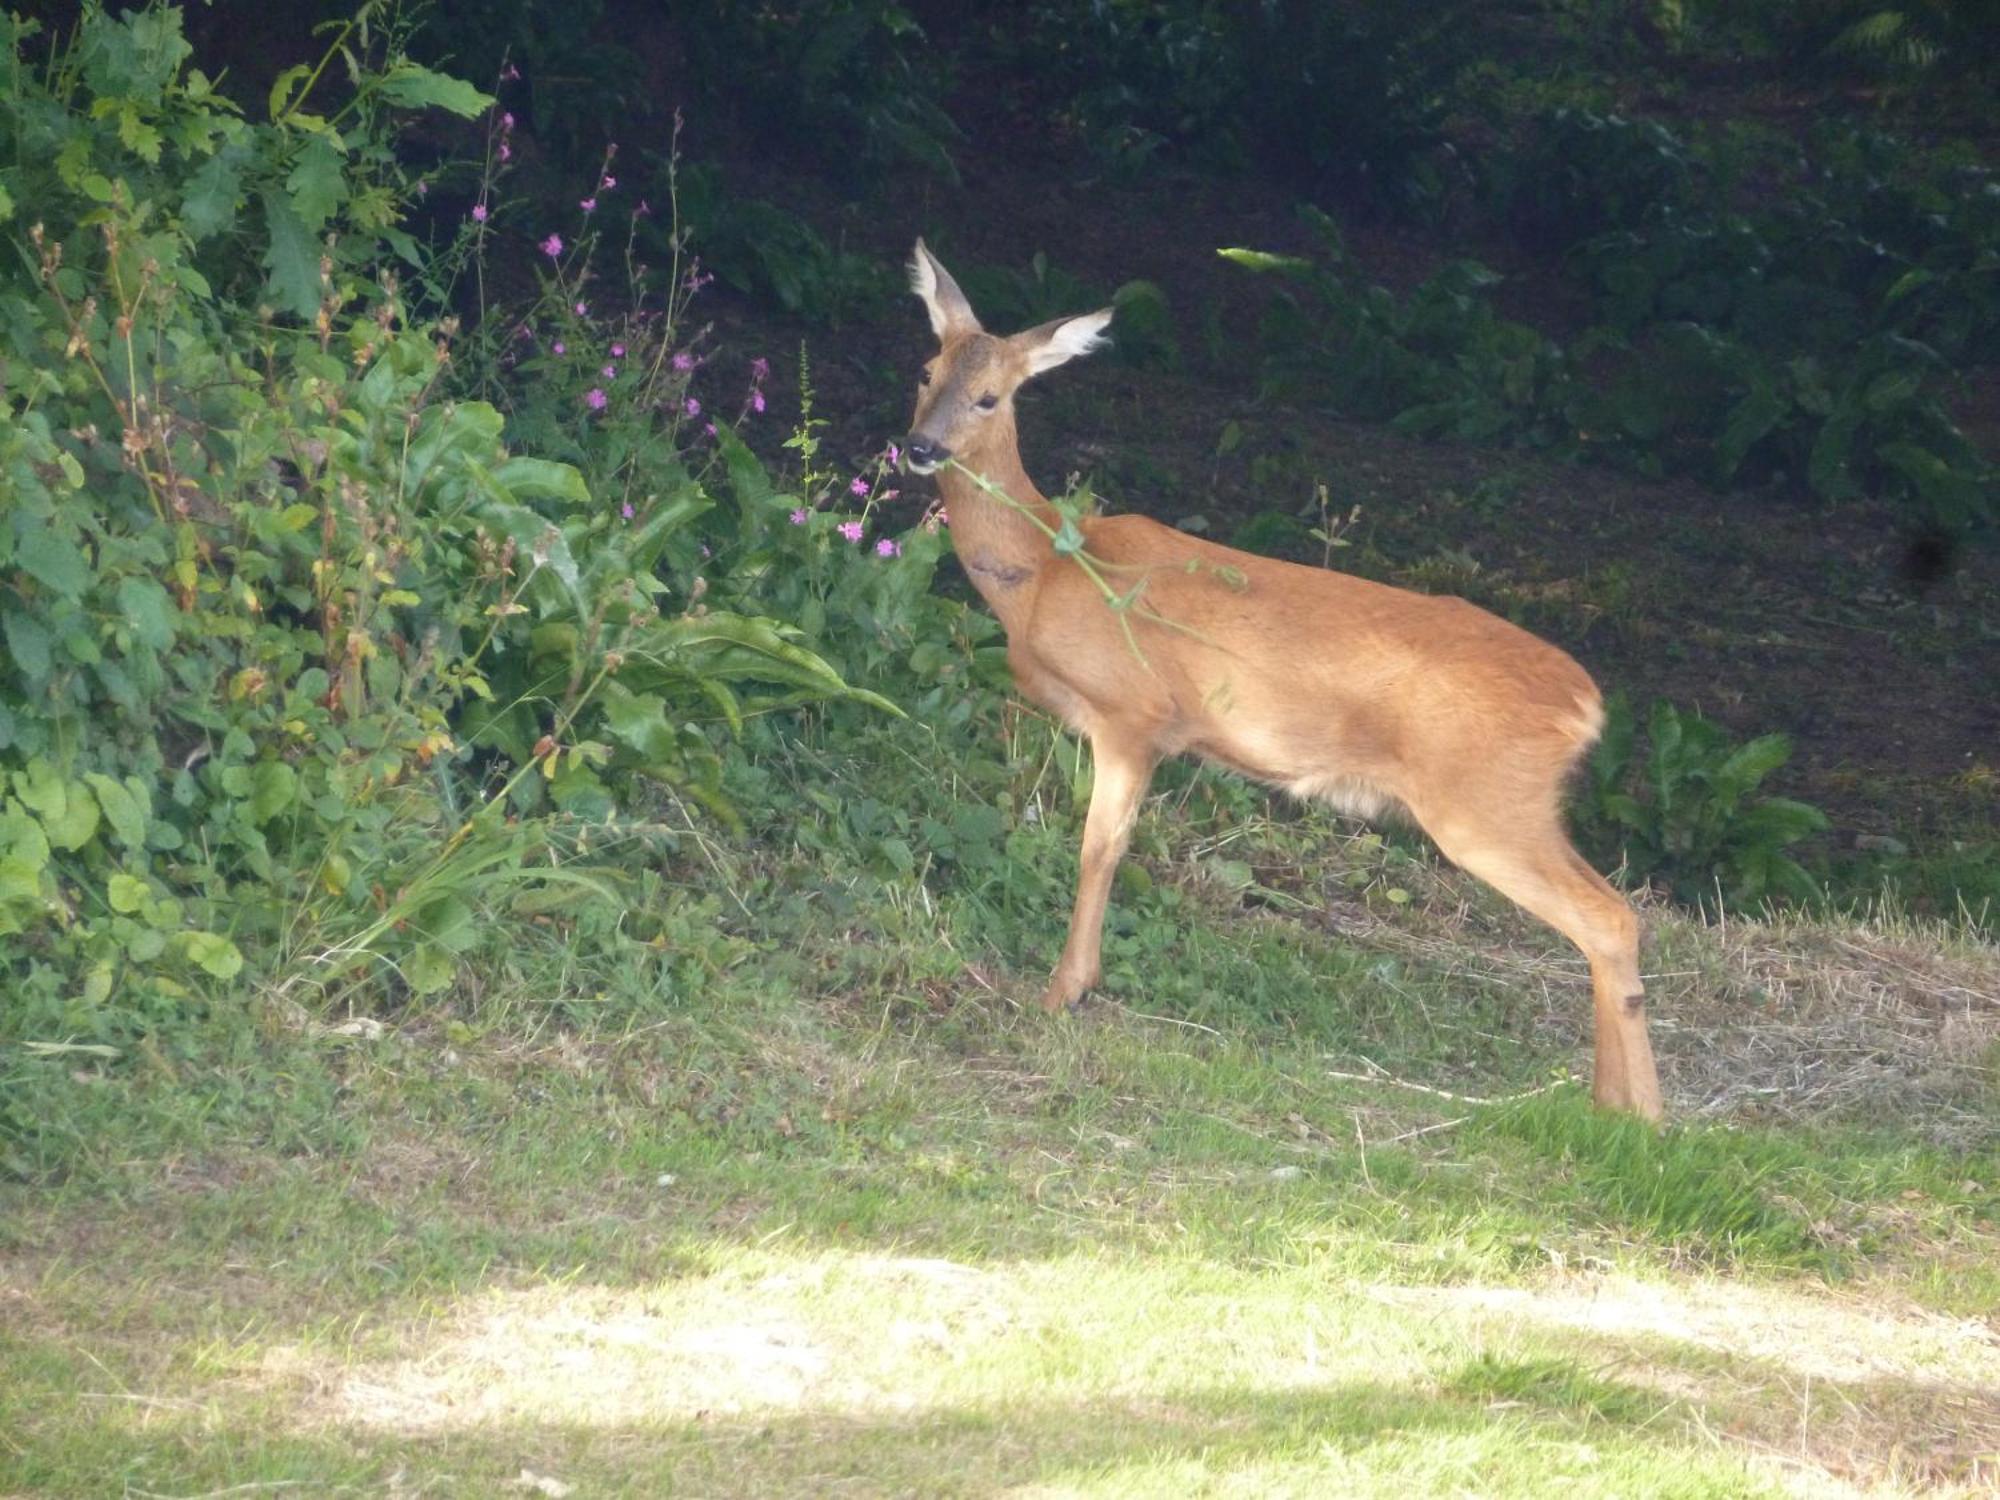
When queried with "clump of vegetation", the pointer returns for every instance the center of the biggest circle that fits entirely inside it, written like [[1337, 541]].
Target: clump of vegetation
[[1686, 812]]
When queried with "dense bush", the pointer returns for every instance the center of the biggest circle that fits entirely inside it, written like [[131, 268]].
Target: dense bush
[[309, 677]]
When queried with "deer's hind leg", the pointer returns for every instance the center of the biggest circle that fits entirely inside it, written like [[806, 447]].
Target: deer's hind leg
[[1533, 864]]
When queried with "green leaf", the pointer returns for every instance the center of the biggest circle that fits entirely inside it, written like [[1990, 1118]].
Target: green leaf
[[122, 810], [273, 785], [417, 87], [27, 643], [1754, 761], [147, 609], [127, 893], [318, 183], [213, 954], [54, 561], [291, 258], [427, 969], [540, 479], [209, 205], [1263, 260]]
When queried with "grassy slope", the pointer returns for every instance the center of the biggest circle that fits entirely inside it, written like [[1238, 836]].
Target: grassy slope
[[826, 1212]]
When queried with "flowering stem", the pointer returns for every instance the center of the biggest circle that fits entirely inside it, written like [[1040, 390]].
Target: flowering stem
[[1068, 543]]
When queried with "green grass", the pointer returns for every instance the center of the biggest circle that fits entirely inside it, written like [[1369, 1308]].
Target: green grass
[[805, 1202]]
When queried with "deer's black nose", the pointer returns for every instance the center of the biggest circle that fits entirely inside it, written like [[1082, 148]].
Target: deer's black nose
[[922, 454]]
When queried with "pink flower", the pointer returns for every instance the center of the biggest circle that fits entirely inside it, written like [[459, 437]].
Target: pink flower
[[552, 246], [756, 401], [583, 309], [617, 351], [851, 530], [608, 184], [760, 369], [691, 406], [596, 400], [642, 210], [625, 510], [479, 213], [709, 428], [858, 487], [559, 347], [507, 120], [588, 205], [683, 361], [894, 455], [886, 495], [610, 372], [506, 152], [887, 548], [799, 516]]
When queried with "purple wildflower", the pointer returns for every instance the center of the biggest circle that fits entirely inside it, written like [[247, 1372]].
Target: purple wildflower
[[552, 246], [799, 516], [506, 152], [479, 213], [610, 372], [691, 406], [851, 530], [642, 210], [559, 347], [588, 205], [683, 361], [608, 184], [625, 510], [756, 401], [859, 486], [760, 369], [596, 400], [894, 455], [507, 120], [617, 351], [582, 309], [888, 547]]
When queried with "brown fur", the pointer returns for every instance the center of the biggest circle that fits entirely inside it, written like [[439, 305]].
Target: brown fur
[[1330, 686]]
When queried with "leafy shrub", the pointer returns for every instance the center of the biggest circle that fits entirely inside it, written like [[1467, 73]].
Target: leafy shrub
[[1440, 360], [305, 670], [1344, 94], [1685, 812]]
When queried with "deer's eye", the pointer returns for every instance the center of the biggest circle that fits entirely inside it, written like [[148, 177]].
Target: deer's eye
[[987, 403], [923, 377]]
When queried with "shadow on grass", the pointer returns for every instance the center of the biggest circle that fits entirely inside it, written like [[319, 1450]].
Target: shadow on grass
[[1350, 1438]]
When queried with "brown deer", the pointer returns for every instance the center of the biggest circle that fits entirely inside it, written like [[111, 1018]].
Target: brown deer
[[1368, 697]]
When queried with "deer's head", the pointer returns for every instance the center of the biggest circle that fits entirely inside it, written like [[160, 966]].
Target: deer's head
[[965, 395]]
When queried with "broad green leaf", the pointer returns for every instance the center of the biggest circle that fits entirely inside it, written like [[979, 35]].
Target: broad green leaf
[[417, 87], [147, 609], [540, 479], [318, 183], [53, 560], [27, 643], [291, 257], [213, 954], [122, 810], [273, 784], [427, 969], [209, 205], [127, 893]]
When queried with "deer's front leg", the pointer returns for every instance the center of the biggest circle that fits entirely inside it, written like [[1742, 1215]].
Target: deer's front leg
[[1123, 770]]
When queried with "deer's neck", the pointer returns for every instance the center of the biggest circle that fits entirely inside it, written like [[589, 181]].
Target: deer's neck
[[998, 541]]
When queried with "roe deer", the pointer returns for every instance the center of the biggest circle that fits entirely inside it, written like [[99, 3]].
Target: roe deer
[[1367, 696]]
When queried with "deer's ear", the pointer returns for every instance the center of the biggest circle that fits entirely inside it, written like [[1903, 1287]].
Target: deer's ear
[[951, 314], [1061, 341]]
